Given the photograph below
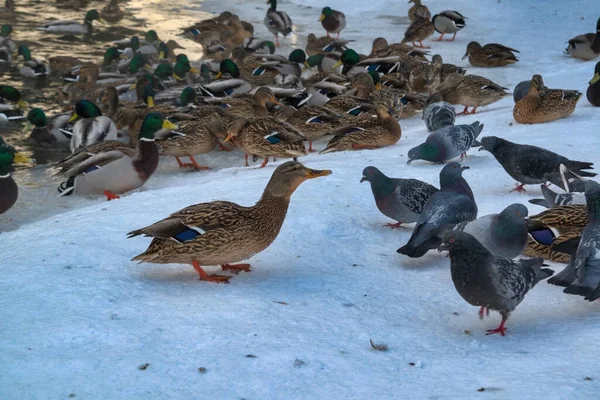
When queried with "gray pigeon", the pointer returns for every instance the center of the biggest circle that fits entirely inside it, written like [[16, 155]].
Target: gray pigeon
[[530, 164], [582, 275], [504, 235], [453, 204], [522, 89], [487, 281], [399, 199], [446, 143], [553, 199], [567, 180], [437, 115]]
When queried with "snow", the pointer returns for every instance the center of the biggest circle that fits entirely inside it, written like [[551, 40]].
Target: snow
[[78, 317]]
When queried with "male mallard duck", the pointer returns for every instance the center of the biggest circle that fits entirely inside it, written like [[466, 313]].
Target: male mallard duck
[[593, 91], [6, 40], [111, 12], [325, 44], [366, 134], [9, 93], [277, 21], [221, 232], [91, 126], [43, 132], [490, 55], [447, 69], [354, 63], [419, 30], [586, 46], [121, 170], [266, 137], [418, 10], [259, 46], [70, 26], [228, 81], [9, 191], [540, 106], [313, 121], [470, 91], [31, 67], [448, 21], [332, 21]]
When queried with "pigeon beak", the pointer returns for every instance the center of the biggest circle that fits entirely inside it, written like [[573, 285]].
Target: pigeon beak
[[481, 148], [364, 178], [465, 167], [465, 56]]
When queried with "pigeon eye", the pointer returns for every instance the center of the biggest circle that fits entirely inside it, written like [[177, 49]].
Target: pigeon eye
[[518, 213], [451, 240]]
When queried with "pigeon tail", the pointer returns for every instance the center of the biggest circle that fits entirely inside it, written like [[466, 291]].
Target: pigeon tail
[[568, 246], [578, 290], [419, 251], [540, 202], [595, 295], [578, 166], [543, 274], [478, 128], [565, 277], [549, 195]]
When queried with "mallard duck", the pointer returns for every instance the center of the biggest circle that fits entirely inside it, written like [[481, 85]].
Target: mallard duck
[[559, 250], [381, 48], [469, 90], [211, 32], [540, 106], [586, 46], [313, 121], [9, 93], [31, 67], [266, 137], [42, 132], [261, 69], [259, 46], [228, 81], [277, 21], [9, 191], [411, 104], [425, 77], [6, 40], [325, 44], [60, 65], [366, 134], [8, 10], [418, 10], [354, 63], [74, 27], [332, 21], [119, 170], [593, 90], [111, 12], [419, 30], [448, 21], [91, 126], [447, 69], [490, 55], [221, 232], [256, 105]]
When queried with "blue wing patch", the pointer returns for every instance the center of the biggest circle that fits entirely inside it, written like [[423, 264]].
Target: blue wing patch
[[259, 71], [356, 111], [314, 120], [273, 137], [373, 67], [188, 234], [90, 169]]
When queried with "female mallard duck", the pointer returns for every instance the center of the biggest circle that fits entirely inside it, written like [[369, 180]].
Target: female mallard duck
[[470, 91], [448, 21], [42, 132], [593, 90], [540, 106], [586, 46], [221, 232], [366, 134], [325, 44], [419, 30], [411, 104], [490, 55], [381, 48], [425, 77], [91, 126], [74, 27], [418, 10], [447, 69], [118, 171], [266, 137], [313, 121], [31, 67], [277, 21], [207, 33], [256, 105], [112, 12], [332, 21], [560, 248], [60, 65], [9, 191]]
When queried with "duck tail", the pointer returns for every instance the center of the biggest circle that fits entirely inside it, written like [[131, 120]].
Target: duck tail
[[67, 187]]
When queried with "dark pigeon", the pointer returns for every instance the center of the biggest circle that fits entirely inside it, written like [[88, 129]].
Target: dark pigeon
[[487, 281], [504, 235], [530, 165], [438, 115], [553, 199], [399, 199], [446, 143], [566, 180], [453, 204]]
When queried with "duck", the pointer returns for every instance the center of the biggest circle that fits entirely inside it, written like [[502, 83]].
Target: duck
[[313, 121], [91, 126], [263, 68], [447, 69], [425, 77], [220, 30], [73, 27], [490, 55], [6, 40], [277, 21], [119, 170], [31, 67], [57, 132], [585, 47], [411, 104], [256, 105], [112, 12], [593, 90], [470, 91], [448, 21], [419, 30], [8, 10], [228, 81], [354, 63], [9, 190], [259, 46], [325, 44], [60, 65], [10, 93], [381, 48], [418, 10], [559, 250], [221, 232], [332, 21], [366, 134], [540, 106], [265, 137]]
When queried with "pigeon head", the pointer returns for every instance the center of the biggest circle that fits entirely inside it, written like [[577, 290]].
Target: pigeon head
[[459, 241], [371, 174], [592, 197], [513, 215], [490, 143], [451, 173], [425, 151]]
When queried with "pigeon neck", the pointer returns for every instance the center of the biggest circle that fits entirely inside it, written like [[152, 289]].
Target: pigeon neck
[[594, 208], [382, 185], [459, 186]]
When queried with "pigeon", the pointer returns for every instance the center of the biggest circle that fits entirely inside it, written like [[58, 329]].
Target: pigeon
[[446, 143], [487, 281], [582, 275], [453, 204], [504, 235], [567, 180], [438, 115], [399, 199], [530, 164], [553, 199]]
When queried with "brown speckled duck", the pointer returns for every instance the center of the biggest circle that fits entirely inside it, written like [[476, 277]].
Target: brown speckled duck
[[490, 55], [418, 10], [419, 30], [221, 232], [313, 121], [470, 91]]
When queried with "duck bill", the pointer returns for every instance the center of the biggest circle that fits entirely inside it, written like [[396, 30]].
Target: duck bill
[[378, 86], [275, 101], [595, 78], [22, 104], [21, 159], [73, 118], [337, 64], [194, 70], [168, 125], [317, 173], [322, 17], [27, 128], [150, 101], [218, 75], [102, 21], [229, 137], [307, 67]]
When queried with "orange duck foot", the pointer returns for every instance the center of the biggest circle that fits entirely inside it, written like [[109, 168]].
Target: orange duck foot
[[236, 268], [209, 278], [111, 196]]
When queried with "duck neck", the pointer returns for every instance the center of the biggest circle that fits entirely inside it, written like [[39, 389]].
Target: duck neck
[[272, 209], [260, 110], [146, 159], [364, 91]]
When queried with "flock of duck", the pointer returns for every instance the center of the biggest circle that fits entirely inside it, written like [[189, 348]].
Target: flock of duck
[[142, 102]]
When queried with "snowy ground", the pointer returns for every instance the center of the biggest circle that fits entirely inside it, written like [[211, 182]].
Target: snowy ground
[[79, 318]]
